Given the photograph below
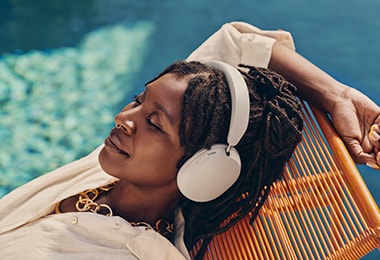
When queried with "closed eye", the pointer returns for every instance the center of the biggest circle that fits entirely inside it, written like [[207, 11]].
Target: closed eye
[[153, 125], [137, 101]]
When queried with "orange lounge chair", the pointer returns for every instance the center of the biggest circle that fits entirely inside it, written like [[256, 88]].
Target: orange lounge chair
[[320, 209]]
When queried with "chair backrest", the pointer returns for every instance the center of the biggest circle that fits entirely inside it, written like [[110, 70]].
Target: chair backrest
[[320, 209]]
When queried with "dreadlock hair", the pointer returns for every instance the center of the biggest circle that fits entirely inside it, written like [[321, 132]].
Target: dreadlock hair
[[274, 129]]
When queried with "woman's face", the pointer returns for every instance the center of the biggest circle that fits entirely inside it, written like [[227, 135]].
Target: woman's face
[[144, 147]]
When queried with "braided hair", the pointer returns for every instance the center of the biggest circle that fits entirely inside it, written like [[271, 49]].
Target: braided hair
[[274, 129]]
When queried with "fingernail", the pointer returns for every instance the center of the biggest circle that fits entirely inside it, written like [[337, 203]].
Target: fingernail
[[374, 136], [373, 165]]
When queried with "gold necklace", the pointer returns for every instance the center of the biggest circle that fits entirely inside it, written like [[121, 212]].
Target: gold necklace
[[161, 226], [86, 202]]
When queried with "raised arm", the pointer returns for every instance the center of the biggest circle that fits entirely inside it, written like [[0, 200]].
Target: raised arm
[[352, 112]]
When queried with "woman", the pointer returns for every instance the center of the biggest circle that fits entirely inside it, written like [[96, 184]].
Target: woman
[[29, 211], [186, 108]]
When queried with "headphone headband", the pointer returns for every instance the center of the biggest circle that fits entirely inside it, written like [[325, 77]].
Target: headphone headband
[[240, 106], [209, 173]]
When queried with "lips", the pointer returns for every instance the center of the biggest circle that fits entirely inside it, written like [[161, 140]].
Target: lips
[[113, 143]]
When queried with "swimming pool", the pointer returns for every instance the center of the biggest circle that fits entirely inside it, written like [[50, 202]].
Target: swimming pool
[[62, 77]]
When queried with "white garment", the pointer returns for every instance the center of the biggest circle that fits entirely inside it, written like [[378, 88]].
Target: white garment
[[85, 235], [26, 229], [241, 43]]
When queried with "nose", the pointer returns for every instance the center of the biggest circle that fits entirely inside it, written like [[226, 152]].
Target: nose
[[125, 123]]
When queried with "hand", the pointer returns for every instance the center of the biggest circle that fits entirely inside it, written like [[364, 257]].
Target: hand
[[353, 115], [374, 138]]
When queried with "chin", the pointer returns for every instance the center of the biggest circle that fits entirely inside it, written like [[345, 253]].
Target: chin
[[107, 164], [103, 162]]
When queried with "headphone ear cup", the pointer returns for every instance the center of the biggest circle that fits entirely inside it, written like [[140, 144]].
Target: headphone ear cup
[[209, 173]]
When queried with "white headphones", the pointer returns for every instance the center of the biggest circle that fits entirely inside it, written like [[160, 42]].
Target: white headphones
[[209, 173]]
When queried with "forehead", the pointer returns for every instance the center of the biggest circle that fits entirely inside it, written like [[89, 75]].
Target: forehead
[[168, 85]]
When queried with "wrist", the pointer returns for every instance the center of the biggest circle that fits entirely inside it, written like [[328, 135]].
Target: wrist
[[332, 95]]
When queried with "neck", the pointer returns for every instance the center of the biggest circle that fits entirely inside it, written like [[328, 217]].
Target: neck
[[138, 204]]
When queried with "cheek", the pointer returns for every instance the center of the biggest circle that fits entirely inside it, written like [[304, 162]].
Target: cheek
[[160, 157], [160, 161]]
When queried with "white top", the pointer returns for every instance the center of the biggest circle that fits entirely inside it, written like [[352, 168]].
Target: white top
[[85, 235], [28, 231]]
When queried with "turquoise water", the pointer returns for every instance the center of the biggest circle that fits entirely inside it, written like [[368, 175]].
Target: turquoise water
[[66, 67], [57, 105]]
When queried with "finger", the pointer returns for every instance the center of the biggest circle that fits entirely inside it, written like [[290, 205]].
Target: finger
[[358, 155], [375, 128], [377, 120], [374, 137], [374, 163], [365, 158]]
